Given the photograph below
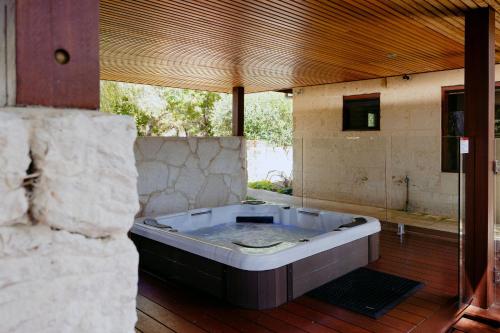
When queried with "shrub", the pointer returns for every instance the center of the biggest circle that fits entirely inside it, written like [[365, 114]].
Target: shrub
[[269, 186], [286, 190], [262, 185]]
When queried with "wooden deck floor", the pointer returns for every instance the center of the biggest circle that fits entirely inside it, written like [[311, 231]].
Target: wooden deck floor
[[168, 307], [465, 325]]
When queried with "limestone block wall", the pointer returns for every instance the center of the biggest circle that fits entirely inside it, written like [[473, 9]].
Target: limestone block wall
[[177, 174], [69, 181], [368, 168], [14, 161]]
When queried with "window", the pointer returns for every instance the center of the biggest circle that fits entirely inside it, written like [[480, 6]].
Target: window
[[361, 113], [452, 122]]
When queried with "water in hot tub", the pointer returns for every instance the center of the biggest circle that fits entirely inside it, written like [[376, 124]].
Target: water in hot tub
[[255, 237]]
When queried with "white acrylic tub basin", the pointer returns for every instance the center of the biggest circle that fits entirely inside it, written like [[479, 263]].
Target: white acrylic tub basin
[[295, 234]]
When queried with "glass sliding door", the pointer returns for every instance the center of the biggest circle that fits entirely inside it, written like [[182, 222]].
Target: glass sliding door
[[463, 149]]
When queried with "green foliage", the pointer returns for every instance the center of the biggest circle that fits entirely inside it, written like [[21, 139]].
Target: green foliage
[[192, 111], [182, 112], [268, 117], [269, 186], [115, 98], [286, 190], [261, 185], [161, 111]]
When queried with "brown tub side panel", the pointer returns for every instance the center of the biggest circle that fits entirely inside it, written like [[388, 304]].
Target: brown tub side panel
[[374, 247], [168, 262], [312, 272], [256, 290]]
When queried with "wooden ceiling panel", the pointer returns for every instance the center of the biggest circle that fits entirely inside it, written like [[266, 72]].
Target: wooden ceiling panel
[[278, 44]]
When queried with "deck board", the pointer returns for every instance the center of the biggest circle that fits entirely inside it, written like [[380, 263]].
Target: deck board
[[471, 326], [430, 260], [318, 317], [299, 321], [166, 317], [149, 324]]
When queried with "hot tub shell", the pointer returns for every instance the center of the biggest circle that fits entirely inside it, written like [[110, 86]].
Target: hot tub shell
[[255, 280]]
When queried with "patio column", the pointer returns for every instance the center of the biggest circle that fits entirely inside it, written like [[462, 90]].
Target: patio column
[[238, 111], [68, 180], [57, 53], [479, 179]]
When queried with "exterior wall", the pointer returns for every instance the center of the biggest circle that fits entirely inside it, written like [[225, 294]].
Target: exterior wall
[[68, 189], [265, 160], [177, 174], [368, 168]]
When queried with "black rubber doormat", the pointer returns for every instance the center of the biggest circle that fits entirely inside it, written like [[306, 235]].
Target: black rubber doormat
[[367, 291]]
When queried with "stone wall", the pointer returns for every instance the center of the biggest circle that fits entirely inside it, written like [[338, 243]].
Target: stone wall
[[68, 189], [368, 168], [177, 174]]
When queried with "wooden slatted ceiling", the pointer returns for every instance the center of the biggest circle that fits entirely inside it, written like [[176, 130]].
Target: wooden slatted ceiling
[[278, 44]]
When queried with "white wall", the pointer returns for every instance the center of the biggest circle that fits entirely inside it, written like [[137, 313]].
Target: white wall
[[264, 160], [368, 168], [177, 174]]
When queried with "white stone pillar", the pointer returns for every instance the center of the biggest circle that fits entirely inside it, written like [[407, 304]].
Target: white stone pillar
[[68, 197], [68, 191]]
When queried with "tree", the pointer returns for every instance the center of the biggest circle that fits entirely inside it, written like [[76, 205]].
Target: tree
[[268, 117], [182, 112], [192, 111], [161, 111], [116, 100]]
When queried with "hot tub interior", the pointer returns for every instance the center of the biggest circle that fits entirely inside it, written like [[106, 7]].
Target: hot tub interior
[[255, 237]]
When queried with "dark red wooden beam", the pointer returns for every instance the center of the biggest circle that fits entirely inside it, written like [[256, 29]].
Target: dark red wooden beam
[[238, 111], [479, 179], [57, 53]]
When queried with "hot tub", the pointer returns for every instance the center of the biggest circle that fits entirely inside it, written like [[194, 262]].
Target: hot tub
[[256, 256]]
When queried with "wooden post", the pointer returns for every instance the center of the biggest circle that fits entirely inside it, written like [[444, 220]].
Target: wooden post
[[238, 111], [7, 53], [479, 179], [57, 53]]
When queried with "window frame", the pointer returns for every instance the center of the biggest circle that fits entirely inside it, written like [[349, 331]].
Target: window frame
[[445, 90], [361, 97]]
